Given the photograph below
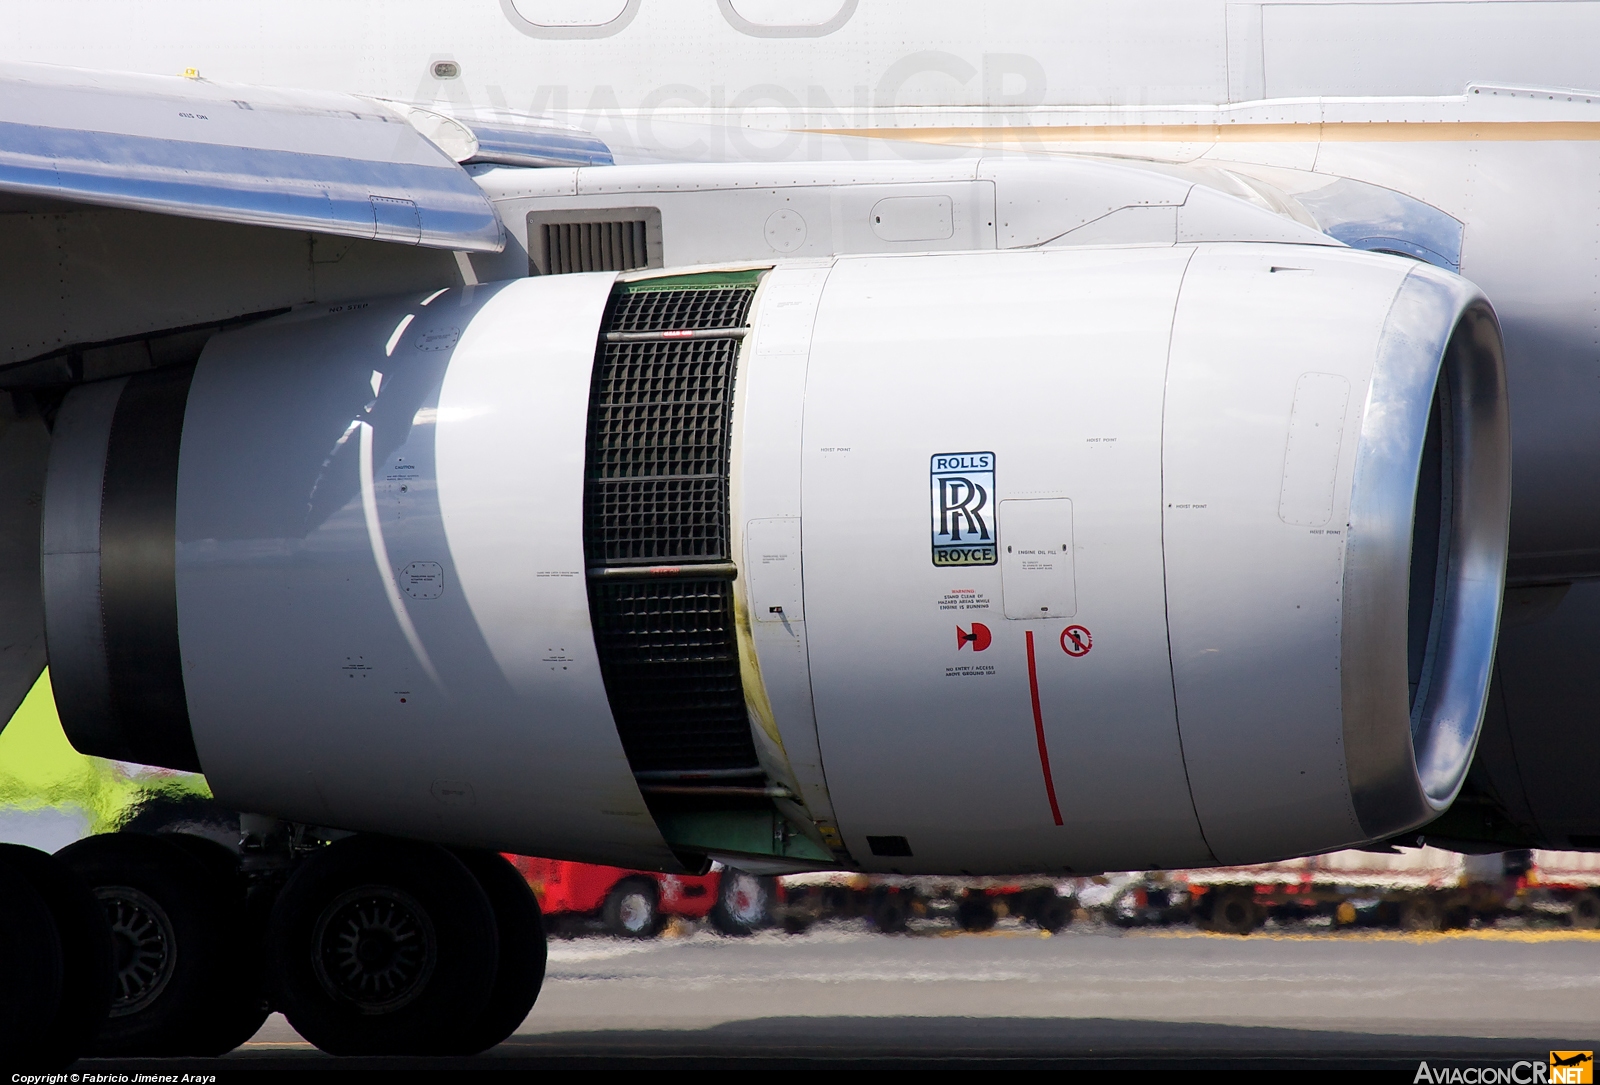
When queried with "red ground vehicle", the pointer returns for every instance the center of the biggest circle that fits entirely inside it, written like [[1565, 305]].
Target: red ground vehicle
[[635, 903]]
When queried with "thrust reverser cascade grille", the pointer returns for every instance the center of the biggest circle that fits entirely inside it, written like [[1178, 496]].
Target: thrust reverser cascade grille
[[713, 306], [672, 673], [660, 421], [658, 451]]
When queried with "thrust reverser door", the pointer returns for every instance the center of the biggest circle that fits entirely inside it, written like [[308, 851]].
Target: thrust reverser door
[[671, 623]]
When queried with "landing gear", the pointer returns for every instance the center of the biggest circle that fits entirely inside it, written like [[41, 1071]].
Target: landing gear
[[182, 984], [744, 903], [156, 945], [382, 947], [54, 936], [631, 909]]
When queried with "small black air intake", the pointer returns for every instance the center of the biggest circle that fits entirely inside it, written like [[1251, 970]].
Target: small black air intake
[[656, 522]]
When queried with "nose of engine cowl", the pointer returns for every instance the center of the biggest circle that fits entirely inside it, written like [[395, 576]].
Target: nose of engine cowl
[[1336, 475], [1425, 565]]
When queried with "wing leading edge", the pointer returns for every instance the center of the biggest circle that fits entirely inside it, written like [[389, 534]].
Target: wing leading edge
[[305, 160]]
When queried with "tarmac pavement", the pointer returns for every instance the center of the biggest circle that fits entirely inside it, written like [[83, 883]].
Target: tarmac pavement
[[1089, 996]]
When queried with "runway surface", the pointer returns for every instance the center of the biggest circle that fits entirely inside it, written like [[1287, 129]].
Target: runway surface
[[1091, 996]]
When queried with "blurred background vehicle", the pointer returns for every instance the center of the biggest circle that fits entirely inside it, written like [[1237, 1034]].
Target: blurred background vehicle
[[892, 902], [576, 897], [1416, 889]]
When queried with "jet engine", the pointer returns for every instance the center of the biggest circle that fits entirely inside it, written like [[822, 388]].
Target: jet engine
[[1059, 560]]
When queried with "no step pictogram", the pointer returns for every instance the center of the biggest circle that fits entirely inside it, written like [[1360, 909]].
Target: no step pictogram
[[1076, 641]]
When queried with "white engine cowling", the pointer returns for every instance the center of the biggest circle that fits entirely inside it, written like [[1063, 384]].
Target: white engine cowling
[[1057, 560]]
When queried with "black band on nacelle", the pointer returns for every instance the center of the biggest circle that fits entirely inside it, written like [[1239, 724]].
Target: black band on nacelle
[[138, 582]]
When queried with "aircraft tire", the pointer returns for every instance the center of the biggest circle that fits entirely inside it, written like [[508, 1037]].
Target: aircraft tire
[[171, 924], [383, 947], [242, 1007], [523, 949], [632, 909], [30, 989], [86, 956]]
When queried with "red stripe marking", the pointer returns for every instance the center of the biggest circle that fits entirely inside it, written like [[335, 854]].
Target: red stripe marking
[[1038, 730]]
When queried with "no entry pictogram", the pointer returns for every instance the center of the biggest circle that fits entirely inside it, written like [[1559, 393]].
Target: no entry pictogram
[[979, 638], [1076, 641]]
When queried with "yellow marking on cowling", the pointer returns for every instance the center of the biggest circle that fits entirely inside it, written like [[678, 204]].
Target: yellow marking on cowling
[[1280, 132]]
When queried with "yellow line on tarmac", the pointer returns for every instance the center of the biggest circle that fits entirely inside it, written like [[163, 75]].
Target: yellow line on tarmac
[[994, 934], [1488, 935]]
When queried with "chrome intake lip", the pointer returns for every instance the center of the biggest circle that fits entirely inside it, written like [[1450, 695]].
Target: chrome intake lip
[[1404, 767]]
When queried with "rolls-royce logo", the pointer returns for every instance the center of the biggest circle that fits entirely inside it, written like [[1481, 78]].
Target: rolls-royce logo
[[964, 528]]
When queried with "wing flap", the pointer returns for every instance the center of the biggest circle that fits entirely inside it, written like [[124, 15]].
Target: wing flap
[[305, 160]]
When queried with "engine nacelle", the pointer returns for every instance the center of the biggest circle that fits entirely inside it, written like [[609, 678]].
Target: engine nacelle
[[1060, 560]]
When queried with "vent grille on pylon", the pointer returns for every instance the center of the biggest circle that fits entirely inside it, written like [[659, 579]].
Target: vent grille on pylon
[[594, 246]]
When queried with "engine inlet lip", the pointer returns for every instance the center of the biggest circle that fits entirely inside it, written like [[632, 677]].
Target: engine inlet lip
[[1405, 761]]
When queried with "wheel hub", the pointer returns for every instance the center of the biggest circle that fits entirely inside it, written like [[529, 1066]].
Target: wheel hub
[[635, 912], [744, 900], [374, 948], [146, 949]]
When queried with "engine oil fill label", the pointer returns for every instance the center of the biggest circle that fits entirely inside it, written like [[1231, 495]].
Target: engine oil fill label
[[964, 528]]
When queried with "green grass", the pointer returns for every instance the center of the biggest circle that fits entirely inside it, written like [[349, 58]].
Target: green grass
[[40, 770]]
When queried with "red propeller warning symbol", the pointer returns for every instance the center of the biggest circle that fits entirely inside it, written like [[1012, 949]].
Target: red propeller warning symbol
[[1076, 641], [979, 638]]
